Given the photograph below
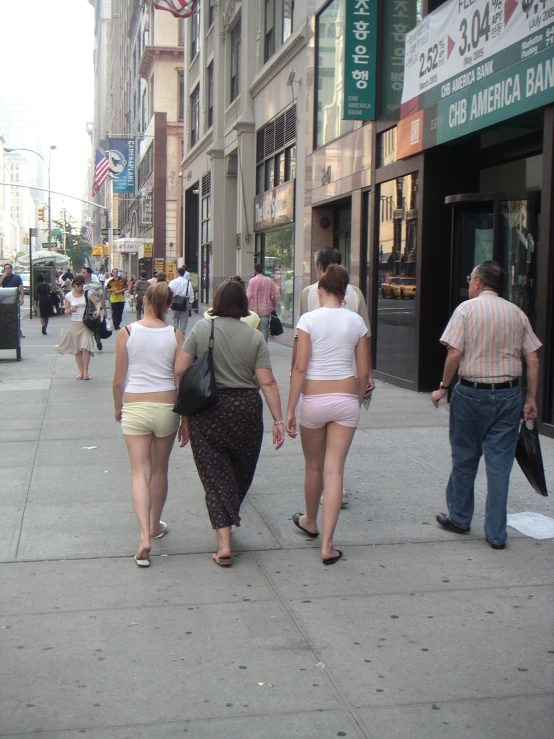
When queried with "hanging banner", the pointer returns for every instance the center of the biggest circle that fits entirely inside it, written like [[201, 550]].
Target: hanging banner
[[121, 160], [399, 18], [507, 69], [360, 60], [467, 41]]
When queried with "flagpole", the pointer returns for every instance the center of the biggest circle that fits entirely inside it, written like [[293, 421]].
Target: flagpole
[[110, 222]]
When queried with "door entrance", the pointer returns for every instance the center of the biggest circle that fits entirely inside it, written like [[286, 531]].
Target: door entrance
[[499, 226]]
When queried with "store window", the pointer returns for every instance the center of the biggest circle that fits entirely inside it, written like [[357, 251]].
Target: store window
[[276, 151], [397, 278], [235, 61], [194, 116], [330, 62], [276, 252]]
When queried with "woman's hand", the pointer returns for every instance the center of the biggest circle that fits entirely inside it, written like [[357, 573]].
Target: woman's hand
[[97, 314], [118, 415], [278, 435], [183, 434], [291, 424]]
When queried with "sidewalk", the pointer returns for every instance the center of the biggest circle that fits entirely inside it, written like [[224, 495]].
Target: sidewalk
[[415, 634]]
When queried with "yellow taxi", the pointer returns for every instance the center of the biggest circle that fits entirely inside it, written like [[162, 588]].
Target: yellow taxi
[[399, 287]]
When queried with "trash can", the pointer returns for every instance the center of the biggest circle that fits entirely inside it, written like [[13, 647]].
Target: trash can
[[10, 335]]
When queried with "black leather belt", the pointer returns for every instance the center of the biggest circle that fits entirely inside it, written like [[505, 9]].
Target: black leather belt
[[490, 385]]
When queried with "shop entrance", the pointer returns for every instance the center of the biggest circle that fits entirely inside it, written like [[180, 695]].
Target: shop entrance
[[500, 226]]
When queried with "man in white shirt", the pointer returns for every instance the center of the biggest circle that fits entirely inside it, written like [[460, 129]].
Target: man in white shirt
[[353, 300], [183, 294]]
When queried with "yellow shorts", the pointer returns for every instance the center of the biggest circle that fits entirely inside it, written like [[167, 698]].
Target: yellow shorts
[[140, 419]]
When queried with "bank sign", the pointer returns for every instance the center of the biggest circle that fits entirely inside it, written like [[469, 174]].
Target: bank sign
[[472, 64], [360, 60]]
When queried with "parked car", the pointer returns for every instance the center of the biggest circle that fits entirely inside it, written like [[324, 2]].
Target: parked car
[[26, 280], [399, 287]]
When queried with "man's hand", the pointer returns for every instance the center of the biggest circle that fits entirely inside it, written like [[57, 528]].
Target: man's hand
[[530, 410], [438, 395]]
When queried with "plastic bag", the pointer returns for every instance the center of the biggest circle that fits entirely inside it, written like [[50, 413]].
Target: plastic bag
[[529, 457]]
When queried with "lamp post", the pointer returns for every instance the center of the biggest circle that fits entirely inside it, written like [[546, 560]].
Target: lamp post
[[9, 149]]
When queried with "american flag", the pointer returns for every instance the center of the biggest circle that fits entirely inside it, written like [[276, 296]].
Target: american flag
[[178, 8], [87, 232], [101, 172]]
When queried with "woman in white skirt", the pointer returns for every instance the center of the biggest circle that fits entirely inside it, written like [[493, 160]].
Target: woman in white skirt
[[79, 339]]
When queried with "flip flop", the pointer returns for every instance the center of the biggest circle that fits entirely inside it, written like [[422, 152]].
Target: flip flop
[[86, 377], [142, 562], [79, 377], [296, 522], [222, 561], [163, 533], [332, 560]]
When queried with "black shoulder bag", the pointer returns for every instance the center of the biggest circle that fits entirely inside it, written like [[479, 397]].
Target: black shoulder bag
[[275, 326], [181, 302], [91, 321], [198, 389]]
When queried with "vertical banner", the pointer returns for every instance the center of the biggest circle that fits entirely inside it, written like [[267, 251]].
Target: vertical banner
[[122, 160], [399, 19], [360, 60]]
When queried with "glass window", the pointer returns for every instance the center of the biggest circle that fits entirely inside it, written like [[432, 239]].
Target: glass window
[[269, 170], [290, 163], [269, 29], [181, 96], [397, 275], [235, 61], [211, 12], [279, 176], [206, 229], [195, 30], [210, 81], [330, 56], [260, 179], [278, 260], [288, 13], [194, 116]]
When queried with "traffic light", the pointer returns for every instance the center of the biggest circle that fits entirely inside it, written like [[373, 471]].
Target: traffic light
[[42, 213]]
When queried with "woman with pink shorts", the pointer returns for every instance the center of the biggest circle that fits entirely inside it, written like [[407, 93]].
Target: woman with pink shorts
[[330, 379]]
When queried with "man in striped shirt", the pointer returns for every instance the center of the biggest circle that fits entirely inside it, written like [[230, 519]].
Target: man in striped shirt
[[486, 339]]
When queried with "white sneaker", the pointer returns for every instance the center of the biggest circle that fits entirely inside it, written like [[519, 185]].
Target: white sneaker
[[344, 503]]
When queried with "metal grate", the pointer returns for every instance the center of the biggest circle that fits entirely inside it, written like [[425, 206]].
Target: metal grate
[[280, 132], [290, 124], [269, 144], [206, 184], [260, 145]]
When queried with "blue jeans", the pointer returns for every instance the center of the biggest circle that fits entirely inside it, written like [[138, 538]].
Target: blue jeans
[[264, 326], [482, 422]]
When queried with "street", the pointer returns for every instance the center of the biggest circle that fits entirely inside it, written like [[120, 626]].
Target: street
[[415, 634]]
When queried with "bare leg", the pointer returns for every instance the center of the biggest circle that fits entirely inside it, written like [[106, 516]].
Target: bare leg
[[313, 446], [79, 360], [140, 450], [86, 361], [161, 449], [339, 439]]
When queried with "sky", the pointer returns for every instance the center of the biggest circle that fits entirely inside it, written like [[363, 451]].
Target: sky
[[46, 57]]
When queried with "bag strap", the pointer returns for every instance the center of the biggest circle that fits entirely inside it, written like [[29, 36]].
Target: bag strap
[[211, 342]]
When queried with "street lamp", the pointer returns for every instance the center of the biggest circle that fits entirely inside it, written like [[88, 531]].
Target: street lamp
[[9, 149]]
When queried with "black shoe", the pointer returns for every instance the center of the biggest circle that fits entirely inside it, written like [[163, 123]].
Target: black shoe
[[497, 545], [43, 331], [99, 345], [446, 523]]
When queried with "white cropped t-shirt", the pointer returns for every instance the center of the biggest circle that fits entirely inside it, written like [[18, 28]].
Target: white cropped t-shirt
[[334, 333], [151, 355]]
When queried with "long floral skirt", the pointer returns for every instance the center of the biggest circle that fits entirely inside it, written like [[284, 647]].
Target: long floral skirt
[[78, 337], [226, 441]]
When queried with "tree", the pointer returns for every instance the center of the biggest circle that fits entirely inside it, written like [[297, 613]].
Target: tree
[[77, 247]]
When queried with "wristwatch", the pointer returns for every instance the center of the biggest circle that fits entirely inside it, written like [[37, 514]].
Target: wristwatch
[[444, 387]]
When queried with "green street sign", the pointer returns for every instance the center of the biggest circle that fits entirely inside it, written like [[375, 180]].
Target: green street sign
[[360, 60]]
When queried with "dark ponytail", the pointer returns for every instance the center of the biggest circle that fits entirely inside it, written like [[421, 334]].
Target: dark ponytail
[[335, 281]]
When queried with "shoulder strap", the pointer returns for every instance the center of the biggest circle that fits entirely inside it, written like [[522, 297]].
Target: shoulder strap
[[211, 342], [127, 329]]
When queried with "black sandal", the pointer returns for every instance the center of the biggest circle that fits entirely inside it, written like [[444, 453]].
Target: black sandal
[[332, 560], [296, 522]]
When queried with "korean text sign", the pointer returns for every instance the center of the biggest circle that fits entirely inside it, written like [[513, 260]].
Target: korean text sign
[[360, 60]]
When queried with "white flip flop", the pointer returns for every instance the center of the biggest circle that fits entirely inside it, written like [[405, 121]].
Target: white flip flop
[[142, 562], [164, 532]]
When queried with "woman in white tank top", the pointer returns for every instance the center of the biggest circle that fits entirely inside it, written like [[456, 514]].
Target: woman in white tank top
[[144, 394], [330, 373]]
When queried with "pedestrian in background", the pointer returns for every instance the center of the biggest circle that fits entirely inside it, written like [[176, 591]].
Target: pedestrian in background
[[93, 285], [183, 295], [226, 439], [44, 302], [79, 340], [139, 291], [353, 300], [262, 298], [486, 339], [252, 319], [331, 373], [131, 295], [144, 394], [116, 288]]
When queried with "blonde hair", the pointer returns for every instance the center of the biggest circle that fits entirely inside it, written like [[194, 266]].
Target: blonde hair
[[159, 298]]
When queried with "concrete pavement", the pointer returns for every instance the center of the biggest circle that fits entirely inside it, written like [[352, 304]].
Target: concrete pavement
[[416, 634]]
